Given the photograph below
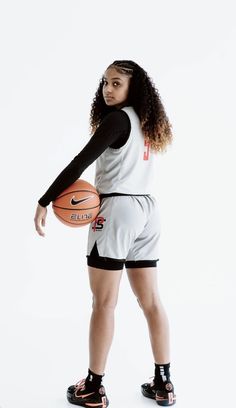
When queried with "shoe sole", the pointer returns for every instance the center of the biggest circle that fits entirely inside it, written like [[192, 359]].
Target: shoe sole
[[81, 404], [164, 403]]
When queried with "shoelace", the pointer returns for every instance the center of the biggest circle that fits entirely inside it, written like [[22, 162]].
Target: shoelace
[[80, 385], [152, 382]]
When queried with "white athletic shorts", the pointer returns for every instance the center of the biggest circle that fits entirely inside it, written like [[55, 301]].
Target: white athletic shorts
[[125, 231]]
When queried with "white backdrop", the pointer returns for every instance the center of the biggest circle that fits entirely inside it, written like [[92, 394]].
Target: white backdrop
[[53, 54]]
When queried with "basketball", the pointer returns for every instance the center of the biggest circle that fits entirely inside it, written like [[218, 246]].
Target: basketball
[[77, 205]]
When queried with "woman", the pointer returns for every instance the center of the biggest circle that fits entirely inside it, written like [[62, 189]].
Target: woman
[[129, 126]]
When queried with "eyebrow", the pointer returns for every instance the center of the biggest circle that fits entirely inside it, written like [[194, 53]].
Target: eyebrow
[[113, 78]]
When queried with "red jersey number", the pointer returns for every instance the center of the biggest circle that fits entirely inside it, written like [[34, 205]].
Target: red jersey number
[[147, 151]]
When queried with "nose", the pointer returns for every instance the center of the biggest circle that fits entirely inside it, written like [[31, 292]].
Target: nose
[[108, 90]]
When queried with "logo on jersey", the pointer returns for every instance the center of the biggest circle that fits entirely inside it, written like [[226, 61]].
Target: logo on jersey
[[76, 202], [98, 224]]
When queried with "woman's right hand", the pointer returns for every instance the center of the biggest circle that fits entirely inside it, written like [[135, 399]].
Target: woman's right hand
[[40, 219]]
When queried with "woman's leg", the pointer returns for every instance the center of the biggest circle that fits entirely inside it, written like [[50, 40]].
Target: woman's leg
[[105, 288], [143, 282]]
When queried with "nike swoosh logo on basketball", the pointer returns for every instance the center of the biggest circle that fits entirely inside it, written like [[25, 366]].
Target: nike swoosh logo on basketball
[[76, 202]]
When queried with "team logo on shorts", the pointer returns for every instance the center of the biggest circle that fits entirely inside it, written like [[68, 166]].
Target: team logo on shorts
[[98, 224]]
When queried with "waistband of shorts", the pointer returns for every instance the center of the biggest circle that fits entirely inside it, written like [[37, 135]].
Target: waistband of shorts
[[103, 195]]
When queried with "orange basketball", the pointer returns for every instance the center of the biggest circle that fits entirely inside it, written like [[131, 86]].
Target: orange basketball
[[77, 205]]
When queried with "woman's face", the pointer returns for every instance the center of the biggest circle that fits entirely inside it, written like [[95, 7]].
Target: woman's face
[[116, 88]]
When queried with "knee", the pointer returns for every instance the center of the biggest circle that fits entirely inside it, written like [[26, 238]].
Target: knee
[[149, 306], [104, 303]]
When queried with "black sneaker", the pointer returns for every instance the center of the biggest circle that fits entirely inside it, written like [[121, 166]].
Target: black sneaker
[[149, 390], [78, 395], [164, 397]]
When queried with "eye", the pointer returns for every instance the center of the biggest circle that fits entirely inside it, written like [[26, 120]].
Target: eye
[[115, 83]]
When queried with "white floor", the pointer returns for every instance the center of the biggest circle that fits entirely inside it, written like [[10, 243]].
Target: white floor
[[40, 357]]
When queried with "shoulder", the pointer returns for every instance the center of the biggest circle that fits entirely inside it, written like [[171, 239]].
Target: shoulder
[[117, 119], [116, 116], [131, 113]]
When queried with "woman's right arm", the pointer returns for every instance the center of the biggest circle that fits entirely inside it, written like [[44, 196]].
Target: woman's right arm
[[115, 126]]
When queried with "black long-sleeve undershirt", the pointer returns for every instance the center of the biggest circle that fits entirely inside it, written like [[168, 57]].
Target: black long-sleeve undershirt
[[113, 132]]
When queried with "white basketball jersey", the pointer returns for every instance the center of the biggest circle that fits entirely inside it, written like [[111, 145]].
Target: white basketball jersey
[[131, 169]]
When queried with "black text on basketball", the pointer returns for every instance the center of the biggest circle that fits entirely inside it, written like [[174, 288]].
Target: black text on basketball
[[81, 216]]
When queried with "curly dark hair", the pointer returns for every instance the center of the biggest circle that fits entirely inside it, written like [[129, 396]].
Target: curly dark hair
[[144, 98]]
